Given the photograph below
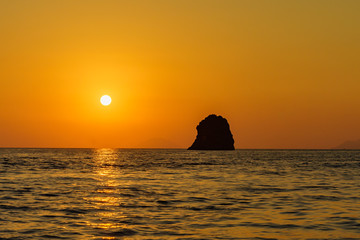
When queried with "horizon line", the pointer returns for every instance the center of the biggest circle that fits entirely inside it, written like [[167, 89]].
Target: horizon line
[[175, 148]]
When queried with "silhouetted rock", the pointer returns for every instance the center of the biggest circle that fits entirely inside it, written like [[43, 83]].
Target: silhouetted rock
[[213, 134], [349, 145]]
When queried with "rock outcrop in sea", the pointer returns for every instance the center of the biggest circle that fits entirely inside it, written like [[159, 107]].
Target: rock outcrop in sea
[[213, 133]]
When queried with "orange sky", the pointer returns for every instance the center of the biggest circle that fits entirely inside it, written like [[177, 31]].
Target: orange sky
[[286, 74]]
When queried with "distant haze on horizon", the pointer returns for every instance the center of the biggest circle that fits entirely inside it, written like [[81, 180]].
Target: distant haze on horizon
[[285, 74]]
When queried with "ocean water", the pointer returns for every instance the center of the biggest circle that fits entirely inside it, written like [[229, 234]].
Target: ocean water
[[179, 194]]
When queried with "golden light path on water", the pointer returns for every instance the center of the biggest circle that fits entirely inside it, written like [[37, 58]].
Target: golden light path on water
[[107, 196]]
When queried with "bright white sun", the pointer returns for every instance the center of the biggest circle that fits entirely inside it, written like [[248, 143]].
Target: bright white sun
[[105, 100]]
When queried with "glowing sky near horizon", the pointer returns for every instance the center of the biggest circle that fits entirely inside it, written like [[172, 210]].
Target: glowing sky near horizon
[[284, 73]]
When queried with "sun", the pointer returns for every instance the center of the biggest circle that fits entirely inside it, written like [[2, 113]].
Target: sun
[[105, 100]]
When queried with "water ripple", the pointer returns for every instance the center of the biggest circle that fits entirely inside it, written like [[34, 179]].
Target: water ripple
[[177, 194]]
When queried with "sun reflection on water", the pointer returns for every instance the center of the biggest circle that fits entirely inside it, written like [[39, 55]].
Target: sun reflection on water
[[106, 197], [105, 160]]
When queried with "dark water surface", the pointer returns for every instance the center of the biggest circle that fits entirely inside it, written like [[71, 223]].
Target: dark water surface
[[179, 194]]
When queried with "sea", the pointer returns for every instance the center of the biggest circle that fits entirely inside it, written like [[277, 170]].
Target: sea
[[179, 194]]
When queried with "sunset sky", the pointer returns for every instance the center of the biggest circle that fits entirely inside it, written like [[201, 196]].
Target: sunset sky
[[286, 74]]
